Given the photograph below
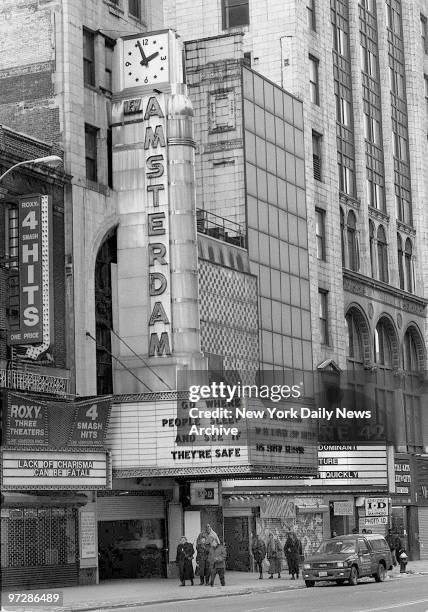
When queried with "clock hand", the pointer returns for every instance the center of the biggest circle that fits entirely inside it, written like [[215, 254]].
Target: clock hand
[[144, 61], [152, 56]]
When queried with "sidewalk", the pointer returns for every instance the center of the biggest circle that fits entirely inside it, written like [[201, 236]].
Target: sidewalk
[[121, 593]]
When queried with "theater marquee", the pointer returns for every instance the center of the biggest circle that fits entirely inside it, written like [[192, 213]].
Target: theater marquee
[[55, 470]]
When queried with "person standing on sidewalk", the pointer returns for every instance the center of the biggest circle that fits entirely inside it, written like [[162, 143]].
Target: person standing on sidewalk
[[203, 567], [259, 553], [293, 551], [394, 544], [185, 552], [273, 551], [217, 561]]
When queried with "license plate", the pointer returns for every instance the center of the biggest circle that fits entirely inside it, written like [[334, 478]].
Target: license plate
[[322, 574]]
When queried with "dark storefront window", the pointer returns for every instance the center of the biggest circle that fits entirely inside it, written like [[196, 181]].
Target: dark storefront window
[[131, 548]]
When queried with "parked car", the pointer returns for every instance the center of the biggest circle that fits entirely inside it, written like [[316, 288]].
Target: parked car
[[348, 557]]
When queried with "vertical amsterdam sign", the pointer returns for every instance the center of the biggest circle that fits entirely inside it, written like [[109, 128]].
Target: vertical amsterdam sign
[[158, 226], [34, 226]]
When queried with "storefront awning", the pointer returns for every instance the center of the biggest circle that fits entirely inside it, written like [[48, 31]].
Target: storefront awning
[[26, 499], [320, 508]]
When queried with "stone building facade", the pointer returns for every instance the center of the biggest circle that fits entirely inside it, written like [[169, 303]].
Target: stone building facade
[[360, 71]]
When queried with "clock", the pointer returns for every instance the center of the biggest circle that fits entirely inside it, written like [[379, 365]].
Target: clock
[[146, 59]]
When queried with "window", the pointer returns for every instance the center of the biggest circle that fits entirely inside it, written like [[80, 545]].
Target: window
[[88, 57], [396, 82], [410, 353], [342, 236], [346, 180], [399, 146], [320, 233], [135, 8], [403, 205], [372, 129], [368, 61], [368, 5], [340, 41], [372, 249], [355, 341], [313, 80], [109, 158], [382, 345], [91, 152], [235, 13], [343, 111], [109, 46], [408, 265], [375, 194], [382, 255], [316, 155], [352, 243], [310, 7], [323, 315], [400, 261], [424, 33]]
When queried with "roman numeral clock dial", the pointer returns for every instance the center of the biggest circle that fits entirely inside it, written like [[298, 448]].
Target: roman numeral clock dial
[[146, 60]]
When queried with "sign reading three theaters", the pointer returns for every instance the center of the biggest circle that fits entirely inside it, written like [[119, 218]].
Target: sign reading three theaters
[[34, 243], [28, 421]]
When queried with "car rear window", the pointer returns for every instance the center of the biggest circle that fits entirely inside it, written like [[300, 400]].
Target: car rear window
[[333, 547], [378, 544]]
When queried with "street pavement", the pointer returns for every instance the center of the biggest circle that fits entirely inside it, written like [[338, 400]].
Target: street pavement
[[245, 589]]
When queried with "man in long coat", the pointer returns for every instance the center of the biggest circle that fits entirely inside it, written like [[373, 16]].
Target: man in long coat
[[185, 552], [202, 552], [293, 551], [274, 553], [259, 553]]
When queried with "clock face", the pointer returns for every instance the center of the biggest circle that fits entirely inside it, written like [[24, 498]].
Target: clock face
[[146, 60]]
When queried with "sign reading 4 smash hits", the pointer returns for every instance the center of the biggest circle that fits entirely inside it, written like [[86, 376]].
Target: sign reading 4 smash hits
[[90, 423], [28, 421], [34, 226]]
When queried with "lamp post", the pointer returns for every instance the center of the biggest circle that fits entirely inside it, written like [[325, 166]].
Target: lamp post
[[53, 161]]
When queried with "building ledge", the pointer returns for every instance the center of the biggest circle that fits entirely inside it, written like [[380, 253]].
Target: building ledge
[[357, 283]]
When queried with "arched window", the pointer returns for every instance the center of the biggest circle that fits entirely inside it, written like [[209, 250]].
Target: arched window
[[410, 353], [372, 249], [382, 254], [400, 261], [355, 341], [382, 345], [408, 265], [342, 236], [107, 254], [351, 239]]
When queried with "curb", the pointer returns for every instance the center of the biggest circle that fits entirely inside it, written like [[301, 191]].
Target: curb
[[247, 591]]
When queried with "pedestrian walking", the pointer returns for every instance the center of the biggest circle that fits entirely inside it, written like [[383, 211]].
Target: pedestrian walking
[[258, 549], [217, 561], [293, 551], [185, 552], [274, 553], [202, 564]]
